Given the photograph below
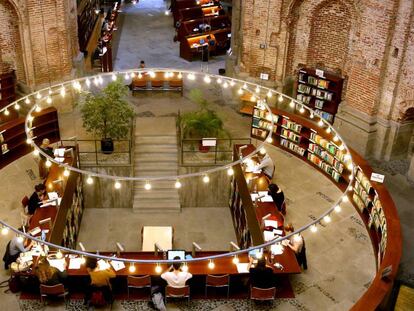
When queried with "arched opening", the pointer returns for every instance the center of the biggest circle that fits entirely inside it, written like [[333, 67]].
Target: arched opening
[[11, 56]]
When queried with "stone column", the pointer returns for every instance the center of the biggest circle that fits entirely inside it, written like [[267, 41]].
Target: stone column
[[410, 173]]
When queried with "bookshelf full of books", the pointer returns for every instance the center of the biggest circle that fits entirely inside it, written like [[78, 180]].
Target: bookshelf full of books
[[320, 91]]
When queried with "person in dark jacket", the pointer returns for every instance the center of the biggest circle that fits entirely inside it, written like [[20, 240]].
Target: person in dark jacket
[[36, 198], [261, 275], [278, 197]]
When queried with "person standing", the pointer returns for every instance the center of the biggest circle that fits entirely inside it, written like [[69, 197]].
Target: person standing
[[297, 243], [278, 197]]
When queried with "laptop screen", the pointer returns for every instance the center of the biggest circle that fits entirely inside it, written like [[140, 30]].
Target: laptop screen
[[176, 253]]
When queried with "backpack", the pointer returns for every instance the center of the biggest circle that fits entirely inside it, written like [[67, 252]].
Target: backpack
[[98, 299]]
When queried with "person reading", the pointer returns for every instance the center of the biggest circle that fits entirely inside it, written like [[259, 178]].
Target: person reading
[[267, 166], [15, 247], [47, 274], [261, 275], [175, 277], [100, 280], [36, 199]]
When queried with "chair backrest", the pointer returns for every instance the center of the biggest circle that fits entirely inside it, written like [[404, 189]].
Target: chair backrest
[[157, 82], [137, 82], [262, 293], [171, 291], [217, 280], [176, 83], [25, 201], [57, 289], [139, 281]]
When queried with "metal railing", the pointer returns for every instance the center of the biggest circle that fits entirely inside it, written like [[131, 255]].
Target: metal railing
[[90, 152], [192, 153]]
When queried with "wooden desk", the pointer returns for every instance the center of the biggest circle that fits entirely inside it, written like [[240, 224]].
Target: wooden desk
[[191, 47], [216, 22], [163, 236]]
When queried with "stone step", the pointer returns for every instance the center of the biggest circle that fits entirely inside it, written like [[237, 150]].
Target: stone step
[[139, 149], [156, 194], [156, 184], [141, 173], [155, 166], [161, 205], [157, 157], [156, 140]]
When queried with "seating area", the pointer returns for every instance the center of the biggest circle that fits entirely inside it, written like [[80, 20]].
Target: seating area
[[149, 81]]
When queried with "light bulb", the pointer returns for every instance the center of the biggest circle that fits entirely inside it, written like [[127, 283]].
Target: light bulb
[[328, 130], [269, 140], [4, 231], [166, 74], [347, 157], [147, 186], [320, 123], [302, 110], [219, 80], [158, 269], [99, 79], [230, 171], [262, 150], [17, 106], [269, 94], [59, 255], [327, 219], [36, 152], [38, 96], [66, 172], [126, 76], [177, 184], [280, 98], [311, 115], [313, 228], [211, 264], [225, 85], [117, 185], [89, 180], [180, 75], [132, 74], [292, 104], [167, 12], [206, 179], [191, 76], [50, 91], [253, 98], [95, 81], [240, 91], [63, 91], [83, 260], [27, 100], [88, 82], [113, 77], [236, 260], [232, 83], [132, 268], [29, 141], [184, 268], [48, 163], [245, 86], [140, 76], [337, 208], [341, 147], [335, 138], [38, 109], [6, 112], [345, 199], [207, 79]]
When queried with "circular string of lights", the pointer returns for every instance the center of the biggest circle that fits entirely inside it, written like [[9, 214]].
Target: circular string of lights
[[225, 82]]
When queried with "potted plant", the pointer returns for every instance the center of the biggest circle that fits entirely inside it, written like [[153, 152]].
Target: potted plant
[[107, 114], [202, 123]]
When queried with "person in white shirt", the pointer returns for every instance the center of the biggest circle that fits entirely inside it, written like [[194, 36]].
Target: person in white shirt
[[267, 166], [174, 276]]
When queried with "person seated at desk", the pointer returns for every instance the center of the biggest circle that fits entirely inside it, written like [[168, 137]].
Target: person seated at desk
[[38, 196], [45, 147], [267, 166], [175, 277], [49, 275], [100, 280], [296, 243], [14, 248], [278, 197], [261, 275]]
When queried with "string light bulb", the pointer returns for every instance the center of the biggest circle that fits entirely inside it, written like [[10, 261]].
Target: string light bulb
[[180, 75], [328, 130], [257, 90], [206, 179], [36, 152], [327, 219], [292, 104], [27, 100], [280, 98], [302, 110], [335, 138], [88, 82], [147, 186], [211, 265], [337, 208], [225, 85], [240, 91], [38, 109], [232, 83], [66, 172], [311, 115], [177, 184], [262, 150], [132, 74], [89, 180], [49, 100], [158, 268], [29, 141], [117, 185], [100, 80], [4, 231], [230, 171], [207, 79], [139, 75], [236, 260], [6, 112], [320, 123], [132, 268], [17, 106], [269, 94], [269, 140], [63, 90], [59, 254], [191, 76], [38, 96], [166, 13], [253, 98], [345, 199], [313, 228], [96, 81], [219, 80], [113, 77], [48, 163]]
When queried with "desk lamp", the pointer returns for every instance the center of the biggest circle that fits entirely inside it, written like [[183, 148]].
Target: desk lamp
[[119, 249], [195, 247]]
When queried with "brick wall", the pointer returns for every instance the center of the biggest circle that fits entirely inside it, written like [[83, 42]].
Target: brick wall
[[48, 30]]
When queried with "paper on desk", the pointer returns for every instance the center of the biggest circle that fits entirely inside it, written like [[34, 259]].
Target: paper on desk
[[75, 263], [103, 265], [25, 257], [59, 152], [242, 267], [278, 232], [266, 198], [53, 195], [117, 265], [268, 235], [58, 263], [276, 249], [270, 223], [59, 159]]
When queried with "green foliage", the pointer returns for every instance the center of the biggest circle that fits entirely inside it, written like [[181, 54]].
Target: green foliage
[[107, 114], [203, 122]]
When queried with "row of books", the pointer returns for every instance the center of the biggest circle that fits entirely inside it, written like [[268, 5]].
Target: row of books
[[321, 83], [259, 132], [303, 98], [263, 124], [321, 94], [360, 191], [265, 115], [290, 135], [326, 156], [326, 115], [324, 143], [292, 146], [291, 125], [324, 166], [364, 181]]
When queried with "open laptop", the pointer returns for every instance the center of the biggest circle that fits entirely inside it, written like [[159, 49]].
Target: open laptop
[[175, 253]]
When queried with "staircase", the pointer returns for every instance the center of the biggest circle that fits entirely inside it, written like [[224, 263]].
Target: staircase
[[156, 154]]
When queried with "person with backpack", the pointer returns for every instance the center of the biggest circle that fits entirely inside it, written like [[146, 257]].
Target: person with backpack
[[297, 244]]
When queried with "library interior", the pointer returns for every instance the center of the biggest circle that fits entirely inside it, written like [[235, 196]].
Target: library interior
[[214, 155]]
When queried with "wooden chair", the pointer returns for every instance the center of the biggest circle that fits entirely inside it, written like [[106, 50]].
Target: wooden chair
[[57, 290], [139, 282], [177, 292], [262, 294], [176, 84], [157, 81], [139, 83], [218, 281]]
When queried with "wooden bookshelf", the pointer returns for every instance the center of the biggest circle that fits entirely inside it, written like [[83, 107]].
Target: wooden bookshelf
[[320, 91], [7, 88], [86, 20], [13, 136]]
